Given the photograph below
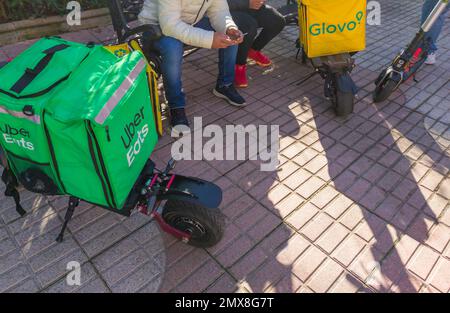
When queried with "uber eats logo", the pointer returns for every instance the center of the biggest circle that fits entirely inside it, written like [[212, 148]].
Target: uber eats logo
[[16, 136], [348, 26], [134, 136]]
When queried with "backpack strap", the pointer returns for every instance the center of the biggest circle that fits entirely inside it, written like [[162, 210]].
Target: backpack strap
[[31, 74], [11, 189]]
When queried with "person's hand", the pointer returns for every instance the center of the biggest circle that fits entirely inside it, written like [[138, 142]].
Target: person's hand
[[256, 4], [235, 35], [222, 41]]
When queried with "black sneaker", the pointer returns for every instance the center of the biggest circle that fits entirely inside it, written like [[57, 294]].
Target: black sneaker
[[230, 94], [178, 119]]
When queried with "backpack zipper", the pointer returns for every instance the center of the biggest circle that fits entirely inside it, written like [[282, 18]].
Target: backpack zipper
[[93, 140]]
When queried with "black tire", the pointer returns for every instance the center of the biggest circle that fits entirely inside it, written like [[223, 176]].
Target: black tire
[[206, 226], [344, 103], [384, 90]]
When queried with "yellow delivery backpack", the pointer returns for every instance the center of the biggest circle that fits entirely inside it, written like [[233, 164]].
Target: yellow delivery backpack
[[329, 27]]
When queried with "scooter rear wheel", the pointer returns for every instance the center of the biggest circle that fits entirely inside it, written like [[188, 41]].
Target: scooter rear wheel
[[384, 90], [206, 226]]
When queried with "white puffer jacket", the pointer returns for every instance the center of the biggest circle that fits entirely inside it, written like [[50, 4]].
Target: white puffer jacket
[[177, 17]]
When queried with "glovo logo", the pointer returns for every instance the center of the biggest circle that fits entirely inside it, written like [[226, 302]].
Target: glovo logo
[[324, 28], [120, 52]]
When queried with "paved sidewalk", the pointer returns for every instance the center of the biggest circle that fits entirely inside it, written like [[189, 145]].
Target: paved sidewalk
[[358, 205]]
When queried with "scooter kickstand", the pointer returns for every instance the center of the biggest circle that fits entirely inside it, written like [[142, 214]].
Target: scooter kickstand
[[73, 204]]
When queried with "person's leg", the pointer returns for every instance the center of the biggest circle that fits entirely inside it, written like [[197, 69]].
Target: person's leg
[[227, 60], [272, 23], [435, 31], [247, 25], [227, 57], [172, 51]]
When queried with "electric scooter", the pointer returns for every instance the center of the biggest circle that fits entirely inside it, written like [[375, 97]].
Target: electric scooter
[[408, 62]]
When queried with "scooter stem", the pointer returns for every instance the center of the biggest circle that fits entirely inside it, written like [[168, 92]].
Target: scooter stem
[[434, 15]]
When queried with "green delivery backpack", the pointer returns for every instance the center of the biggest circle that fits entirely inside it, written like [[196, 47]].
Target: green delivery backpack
[[76, 120]]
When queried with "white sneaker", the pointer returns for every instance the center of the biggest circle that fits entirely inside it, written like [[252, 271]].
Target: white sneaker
[[431, 59]]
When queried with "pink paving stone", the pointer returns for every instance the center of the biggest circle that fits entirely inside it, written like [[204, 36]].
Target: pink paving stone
[[287, 254], [286, 170], [176, 273], [432, 180], [440, 278], [308, 263], [346, 252], [338, 206], [352, 217], [289, 283], [333, 237], [261, 190], [389, 181], [419, 197], [251, 216], [278, 193], [304, 157], [439, 237], [316, 164], [248, 263], [310, 187], [419, 170], [289, 204], [264, 227], [239, 206], [324, 197], [293, 150], [277, 239], [388, 208], [423, 261], [296, 179], [365, 263], [316, 226], [230, 255], [444, 189], [271, 272], [202, 278], [225, 284], [325, 276], [358, 190], [347, 283], [435, 205], [300, 217], [404, 217], [407, 283], [404, 189], [373, 198]]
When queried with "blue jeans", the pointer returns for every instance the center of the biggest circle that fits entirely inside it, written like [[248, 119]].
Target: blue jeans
[[172, 51], [435, 31]]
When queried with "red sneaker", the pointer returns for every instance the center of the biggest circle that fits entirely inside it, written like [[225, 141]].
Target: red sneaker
[[240, 77], [259, 58]]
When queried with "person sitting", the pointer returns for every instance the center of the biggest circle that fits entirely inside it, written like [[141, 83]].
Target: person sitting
[[198, 23], [249, 15]]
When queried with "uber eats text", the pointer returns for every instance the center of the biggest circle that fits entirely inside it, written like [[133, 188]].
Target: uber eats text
[[134, 137], [10, 135]]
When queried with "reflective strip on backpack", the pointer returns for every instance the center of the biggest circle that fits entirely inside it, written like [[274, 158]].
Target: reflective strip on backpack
[[120, 92], [34, 118]]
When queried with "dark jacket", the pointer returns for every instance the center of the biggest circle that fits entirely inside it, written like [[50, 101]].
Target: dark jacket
[[239, 5]]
